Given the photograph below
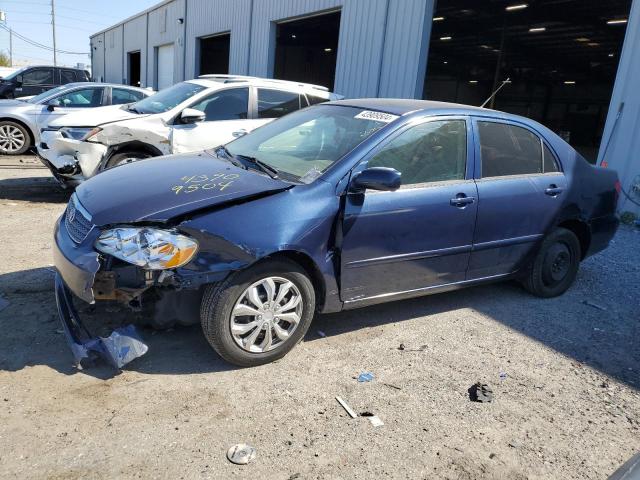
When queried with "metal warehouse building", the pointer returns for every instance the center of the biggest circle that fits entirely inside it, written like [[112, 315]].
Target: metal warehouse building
[[573, 65]]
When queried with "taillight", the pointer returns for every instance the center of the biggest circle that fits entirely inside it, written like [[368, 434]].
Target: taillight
[[618, 187]]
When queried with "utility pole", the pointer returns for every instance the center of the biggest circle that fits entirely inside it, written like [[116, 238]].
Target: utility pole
[[10, 47], [53, 23]]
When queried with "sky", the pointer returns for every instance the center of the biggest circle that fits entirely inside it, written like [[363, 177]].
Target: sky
[[76, 20]]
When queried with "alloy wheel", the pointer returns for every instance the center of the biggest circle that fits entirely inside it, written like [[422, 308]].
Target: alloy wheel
[[11, 138], [266, 314]]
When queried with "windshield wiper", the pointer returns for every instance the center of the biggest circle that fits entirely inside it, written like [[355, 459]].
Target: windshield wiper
[[134, 110], [265, 167], [222, 149]]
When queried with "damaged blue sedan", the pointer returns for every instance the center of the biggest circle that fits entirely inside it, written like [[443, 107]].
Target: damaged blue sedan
[[333, 207]]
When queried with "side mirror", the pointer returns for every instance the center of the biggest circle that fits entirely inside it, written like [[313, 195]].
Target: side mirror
[[376, 178], [191, 115], [19, 80], [52, 104]]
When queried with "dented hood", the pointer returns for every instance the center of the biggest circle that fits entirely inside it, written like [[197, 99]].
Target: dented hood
[[161, 188], [92, 117]]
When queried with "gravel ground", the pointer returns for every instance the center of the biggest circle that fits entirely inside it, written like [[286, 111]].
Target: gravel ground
[[567, 407]]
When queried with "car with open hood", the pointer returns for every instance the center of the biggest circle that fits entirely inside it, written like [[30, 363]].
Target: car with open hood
[[186, 117], [333, 207], [22, 119]]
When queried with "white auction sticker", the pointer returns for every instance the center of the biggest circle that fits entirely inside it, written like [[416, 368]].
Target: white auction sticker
[[377, 116]]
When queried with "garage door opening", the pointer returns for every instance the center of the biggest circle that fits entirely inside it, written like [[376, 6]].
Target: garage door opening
[[306, 49], [134, 62], [561, 59], [214, 54]]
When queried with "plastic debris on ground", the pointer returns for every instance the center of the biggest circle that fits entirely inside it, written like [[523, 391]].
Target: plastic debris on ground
[[3, 303], [241, 454], [374, 419], [347, 408], [594, 305], [480, 392], [365, 377], [503, 375]]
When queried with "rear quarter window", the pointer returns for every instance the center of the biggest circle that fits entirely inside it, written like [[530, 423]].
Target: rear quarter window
[[550, 160]]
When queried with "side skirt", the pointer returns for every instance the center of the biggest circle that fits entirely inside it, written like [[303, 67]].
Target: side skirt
[[419, 292]]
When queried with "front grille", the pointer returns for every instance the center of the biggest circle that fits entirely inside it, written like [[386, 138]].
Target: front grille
[[77, 222]]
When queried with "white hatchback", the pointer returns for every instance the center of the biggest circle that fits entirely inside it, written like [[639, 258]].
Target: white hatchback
[[189, 116]]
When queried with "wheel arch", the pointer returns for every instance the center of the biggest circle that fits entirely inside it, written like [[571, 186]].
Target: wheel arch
[[581, 230], [32, 137], [309, 266], [135, 145]]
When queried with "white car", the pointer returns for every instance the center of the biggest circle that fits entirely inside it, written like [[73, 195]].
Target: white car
[[189, 116], [22, 118]]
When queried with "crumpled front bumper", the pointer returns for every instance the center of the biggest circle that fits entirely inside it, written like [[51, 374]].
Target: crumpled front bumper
[[76, 267], [69, 155], [119, 348]]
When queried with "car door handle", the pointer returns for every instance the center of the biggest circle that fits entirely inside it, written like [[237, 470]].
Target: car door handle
[[553, 190], [461, 200]]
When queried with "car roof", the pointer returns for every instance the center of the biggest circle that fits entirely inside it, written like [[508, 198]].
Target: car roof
[[54, 66], [404, 106], [216, 80], [102, 84]]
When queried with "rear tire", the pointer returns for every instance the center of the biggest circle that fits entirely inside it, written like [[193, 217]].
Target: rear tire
[[555, 267], [14, 138], [241, 293], [126, 157]]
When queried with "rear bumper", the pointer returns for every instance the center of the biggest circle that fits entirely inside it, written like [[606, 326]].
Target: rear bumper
[[603, 229]]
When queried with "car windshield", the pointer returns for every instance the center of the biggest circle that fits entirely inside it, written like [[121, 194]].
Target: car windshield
[[12, 75], [305, 143], [167, 99], [39, 98]]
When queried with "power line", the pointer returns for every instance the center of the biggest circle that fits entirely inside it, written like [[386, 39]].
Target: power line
[[38, 44]]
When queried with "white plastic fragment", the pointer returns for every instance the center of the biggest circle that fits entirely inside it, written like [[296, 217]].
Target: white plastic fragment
[[375, 421], [347, 408]]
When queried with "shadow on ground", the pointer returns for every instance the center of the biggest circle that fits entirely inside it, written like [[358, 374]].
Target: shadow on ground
[[606, 341], [34, 189]]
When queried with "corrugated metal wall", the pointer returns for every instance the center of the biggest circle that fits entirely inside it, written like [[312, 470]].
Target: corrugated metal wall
[[113, 55], [164, 29], [135, 39], [209, 17], [97, 57], [623, 135], [381, 51]]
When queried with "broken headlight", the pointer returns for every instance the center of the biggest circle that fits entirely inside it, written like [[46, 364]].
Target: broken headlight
[[76, 133], [149, 248]]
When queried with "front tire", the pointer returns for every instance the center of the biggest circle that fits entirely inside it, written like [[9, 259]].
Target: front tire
[[14, 138], [555, 267], [258, 315], [126, 157]]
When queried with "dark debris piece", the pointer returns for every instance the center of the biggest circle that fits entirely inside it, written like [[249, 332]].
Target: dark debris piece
[[480, 392]]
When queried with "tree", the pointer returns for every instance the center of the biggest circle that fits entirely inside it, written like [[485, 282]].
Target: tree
[[4, 60]]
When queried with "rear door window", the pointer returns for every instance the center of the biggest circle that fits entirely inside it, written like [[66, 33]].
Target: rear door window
[[313, 100], [38, 76], [508, 150], [429, 152], [276, 103], [230, 104], [121, 96], [67, 76]]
